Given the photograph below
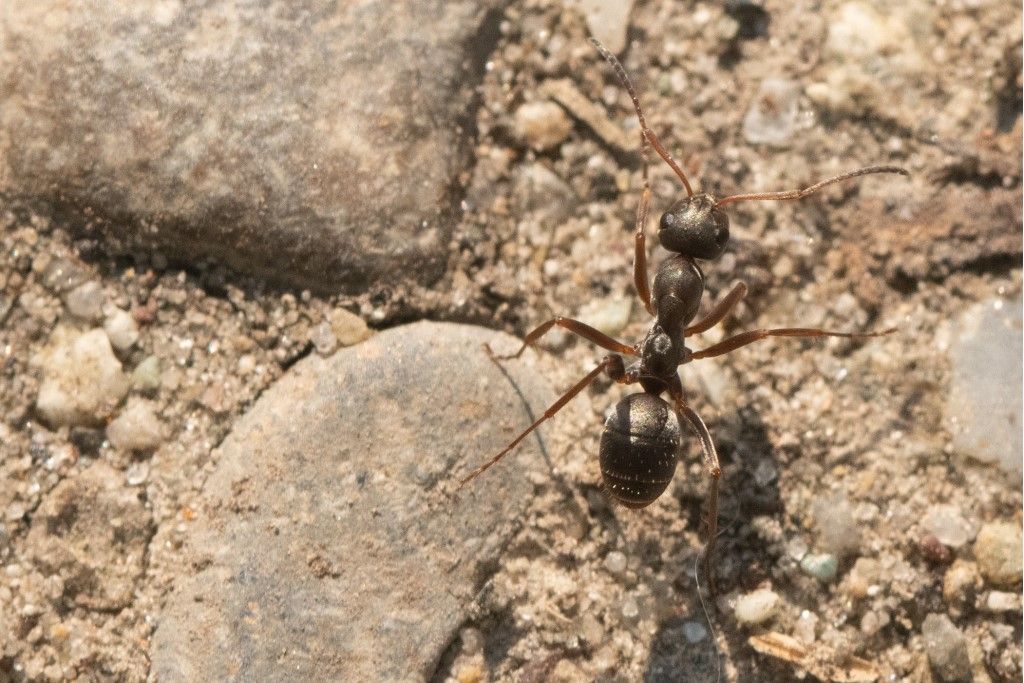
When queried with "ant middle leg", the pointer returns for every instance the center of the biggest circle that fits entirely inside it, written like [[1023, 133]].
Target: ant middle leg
[[744, 338], [720, 310], [574, 326]]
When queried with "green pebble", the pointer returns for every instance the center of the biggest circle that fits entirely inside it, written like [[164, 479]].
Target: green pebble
[[822, 567]]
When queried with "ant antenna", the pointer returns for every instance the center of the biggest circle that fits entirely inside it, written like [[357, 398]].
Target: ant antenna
[[800, 194], [647, 134]]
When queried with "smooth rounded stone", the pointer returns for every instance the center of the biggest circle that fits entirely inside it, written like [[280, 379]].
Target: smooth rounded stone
[[92, 533], [542, 125], [823, 567], [772, 117], [946, 648], [146, 375], [1001, 601], [756, 607], [960, 583], [121, 329], [323, 339], [137, 428], [998, 552], [86, 301], [694, 632], [838, 531], [608, 21], [318, 145], [82, 379], [615, 562], [609, 315], [348, 327], [337, 544], [539, 191], [948, 525], [983, 408], [629, 608]]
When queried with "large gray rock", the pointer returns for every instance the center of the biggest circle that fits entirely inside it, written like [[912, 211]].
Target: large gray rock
[[331, 547], [318, 144]]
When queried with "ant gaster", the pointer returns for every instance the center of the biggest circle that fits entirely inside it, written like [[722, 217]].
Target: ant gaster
[[641, 437]]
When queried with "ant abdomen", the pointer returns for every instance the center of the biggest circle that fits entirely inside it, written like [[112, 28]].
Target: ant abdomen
[[695, 226], [639, 449]]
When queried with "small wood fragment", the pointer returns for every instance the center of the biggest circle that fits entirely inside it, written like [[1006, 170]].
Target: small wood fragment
[[594, 117], [822, 663]]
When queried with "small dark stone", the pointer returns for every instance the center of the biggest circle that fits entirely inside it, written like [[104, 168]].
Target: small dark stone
[[86, 439], [751, 16], [933, 551]]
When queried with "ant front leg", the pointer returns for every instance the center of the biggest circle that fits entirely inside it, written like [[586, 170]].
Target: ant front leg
[[574, 326], [714, 470], [741, 340]]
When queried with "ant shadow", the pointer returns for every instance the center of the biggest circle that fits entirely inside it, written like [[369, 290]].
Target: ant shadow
[[684, 647]]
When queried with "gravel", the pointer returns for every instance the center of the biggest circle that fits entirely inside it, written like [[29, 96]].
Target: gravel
[[533, 235], [82, 379], [756, 607], [946, 648], [999, 554]]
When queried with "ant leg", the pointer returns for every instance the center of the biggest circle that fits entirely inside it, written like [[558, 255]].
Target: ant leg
[[714, 469], [720, 310], [640, 277], [574, 326], [740, 340], [613, 364]]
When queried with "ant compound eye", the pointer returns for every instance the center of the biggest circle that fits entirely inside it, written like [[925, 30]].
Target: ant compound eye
[[695, 227]]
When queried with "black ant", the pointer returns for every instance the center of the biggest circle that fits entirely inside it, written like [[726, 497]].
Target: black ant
[[642, 436]]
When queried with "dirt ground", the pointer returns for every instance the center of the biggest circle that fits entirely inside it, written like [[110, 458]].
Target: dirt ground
[[838, 448]]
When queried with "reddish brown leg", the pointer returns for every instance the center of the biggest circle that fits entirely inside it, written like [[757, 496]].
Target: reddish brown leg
[[740, 340], [721, 309], [640, 280], [610, 362], [574, 326], [714, 470]]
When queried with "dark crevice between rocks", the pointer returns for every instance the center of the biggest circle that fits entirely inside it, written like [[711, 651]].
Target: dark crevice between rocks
[[447, 659], [998, 265], [479, 47], [287, 363]]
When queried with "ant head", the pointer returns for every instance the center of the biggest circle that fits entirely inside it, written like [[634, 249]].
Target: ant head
[[695, 227]]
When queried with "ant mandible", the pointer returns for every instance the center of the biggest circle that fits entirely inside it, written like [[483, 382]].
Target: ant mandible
[[641, 437]]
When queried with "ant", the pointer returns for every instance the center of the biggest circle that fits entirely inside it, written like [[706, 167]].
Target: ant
[[642, 435]]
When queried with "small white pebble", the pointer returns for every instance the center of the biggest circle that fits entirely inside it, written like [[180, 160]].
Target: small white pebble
[[324, 339], [86, 301], [615, 562], [630, 609], [756, 607], [121, 329], [137, 428], [1000, 601]]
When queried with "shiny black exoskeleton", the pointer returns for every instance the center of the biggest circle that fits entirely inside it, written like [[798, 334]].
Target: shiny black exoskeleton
[[642, 434]]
